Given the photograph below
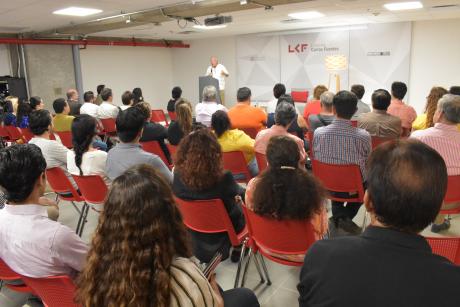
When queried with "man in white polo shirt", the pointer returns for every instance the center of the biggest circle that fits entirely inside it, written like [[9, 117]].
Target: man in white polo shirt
[[219, 72]]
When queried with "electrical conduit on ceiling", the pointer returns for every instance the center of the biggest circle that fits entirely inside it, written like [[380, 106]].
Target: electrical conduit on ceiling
[[133, 43]]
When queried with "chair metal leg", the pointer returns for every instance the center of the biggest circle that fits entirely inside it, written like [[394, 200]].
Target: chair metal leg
[[264, 266], [75, 206], [256, 261], [81, 218], [57, 199], [240, 263], [83, 221], [364, 221], [245, 272]]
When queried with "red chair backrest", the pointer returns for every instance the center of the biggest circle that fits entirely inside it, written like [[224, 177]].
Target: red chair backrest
[[66, 138], [6, 273], [340, 178], [354, 123], [446, 247], [158, 116], [92, 188], [14, 132], [54, 291], [207, 216], [453, 190], [172, 149], [172, 115], [155, 148], [235, 162], [252, 132], [27, 134], [376, 141], [109, 125], [3, 132], [61, 184], [289, 237], [261, 161], [299, 96]]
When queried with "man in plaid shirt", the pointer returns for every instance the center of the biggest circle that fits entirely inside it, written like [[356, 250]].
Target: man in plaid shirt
[[341, 143]]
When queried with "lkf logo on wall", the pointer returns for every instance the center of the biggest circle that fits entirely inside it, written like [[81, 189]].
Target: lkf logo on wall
[[302, 47]]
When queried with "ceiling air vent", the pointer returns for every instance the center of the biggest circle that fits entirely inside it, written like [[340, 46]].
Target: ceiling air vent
[[445, 6], [186, 32], [288, 21]]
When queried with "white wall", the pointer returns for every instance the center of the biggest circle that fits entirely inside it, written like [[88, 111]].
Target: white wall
[[5, 65], [435, 59], [190, 64], [124, 68]]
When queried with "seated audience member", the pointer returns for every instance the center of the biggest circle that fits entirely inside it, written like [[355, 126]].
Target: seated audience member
[[106, 109], [204, 110], [157, 266], [454, 90], [199, 174], [127, 99], [286, 192], [130, 124], [298, 127], [137, 96], [84, 159], [54, 152], [234, 139], [445, 139], [22, 116], [341, 143], [90, 106], [72, 100], [243, 115], [176, 93], [153, 131], [359, 91], [399, 109], [401, 261], [326, 116], [62, 121], [425, 120], [36, 103], [32, 244], [378, 122], [285, 115], [314, 106], [8, 117], [182, 126], [278, 90], [99, 89]]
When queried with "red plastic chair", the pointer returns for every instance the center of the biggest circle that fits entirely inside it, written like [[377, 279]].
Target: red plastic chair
[[261, 161], [14, 133], [376, 141], [452, 194], [235, 162], [4, 133], [92, 188], [252, 132], [66, 138], [158, 116], [8, 274], [354, 123], [299, 96], [54, 291], [109, 126], [172, 115], [155, 148], [172, 150], [447, 247], [27, 134]]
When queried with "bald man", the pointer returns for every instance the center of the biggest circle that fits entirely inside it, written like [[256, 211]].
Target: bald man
[[219, 72], [72, 100]]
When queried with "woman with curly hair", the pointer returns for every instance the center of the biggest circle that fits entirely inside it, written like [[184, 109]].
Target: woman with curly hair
[[286, 192], [425, 120], [199, 174], [140, 255]]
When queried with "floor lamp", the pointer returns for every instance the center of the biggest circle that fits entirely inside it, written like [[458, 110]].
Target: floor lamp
[[334, 64]]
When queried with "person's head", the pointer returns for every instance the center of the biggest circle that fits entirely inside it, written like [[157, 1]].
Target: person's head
[[358, 90], [24, 110], [214, 61], [318, 90], [327, 99], [209, 94], [285, 114], [244, 95], [285, 98], [83, 132], [130, 124], [40, 122], [99, 88], [284, 191], [140, 233], [88, 97], [199, 160], [106, 94], [220, 122], [176, 93], [454, 90], [406, 184], [8, 107], [127, 98], [36, 103], [72, 94], [184, 117], [137, 95], [432, 103], [398, 90], [448, 110], [381, 100], [22, 173], [61, 106], [345, 104], [146, 110], [278, 90]]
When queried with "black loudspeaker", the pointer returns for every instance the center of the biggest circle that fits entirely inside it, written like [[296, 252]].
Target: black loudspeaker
[[13, 87]]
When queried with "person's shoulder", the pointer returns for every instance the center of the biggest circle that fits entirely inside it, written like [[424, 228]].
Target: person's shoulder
[[98, 153], [335, 247]]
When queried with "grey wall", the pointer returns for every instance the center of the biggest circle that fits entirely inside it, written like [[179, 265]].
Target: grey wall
[[50, 71]]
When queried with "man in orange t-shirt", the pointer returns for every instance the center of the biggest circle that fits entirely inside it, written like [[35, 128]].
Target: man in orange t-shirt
[[313, 107], [243, 115]]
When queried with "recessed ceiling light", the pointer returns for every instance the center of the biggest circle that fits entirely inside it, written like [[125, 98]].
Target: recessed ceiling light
[[203, 27], [77, 11], [401, 6], [306, 15]]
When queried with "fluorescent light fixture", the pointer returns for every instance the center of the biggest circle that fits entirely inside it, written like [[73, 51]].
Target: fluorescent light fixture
[[306, 15], [243, 2], [401, 6], [203, 27], [317, 30], [77, 11]]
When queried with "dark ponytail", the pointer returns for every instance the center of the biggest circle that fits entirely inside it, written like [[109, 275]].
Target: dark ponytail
[[83, 132]]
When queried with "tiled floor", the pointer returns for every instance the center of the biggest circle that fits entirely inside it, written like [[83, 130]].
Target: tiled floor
[[282, 292]]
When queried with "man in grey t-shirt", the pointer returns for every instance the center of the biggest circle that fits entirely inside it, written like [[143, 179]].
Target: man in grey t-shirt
[[326, 116], [359, 91], [129, 152]]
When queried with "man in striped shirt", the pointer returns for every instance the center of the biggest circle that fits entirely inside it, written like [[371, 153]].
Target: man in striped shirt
[[341, 143], [445, 139]]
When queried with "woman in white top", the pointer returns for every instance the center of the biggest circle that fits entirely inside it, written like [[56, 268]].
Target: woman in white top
[[84, 159]]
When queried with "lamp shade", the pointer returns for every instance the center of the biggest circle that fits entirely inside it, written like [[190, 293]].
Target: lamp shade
[[336, 62]]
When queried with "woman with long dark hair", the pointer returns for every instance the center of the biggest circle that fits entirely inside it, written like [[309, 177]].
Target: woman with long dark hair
[[182, 126], [137, 96], [22, 117], [84, 159]]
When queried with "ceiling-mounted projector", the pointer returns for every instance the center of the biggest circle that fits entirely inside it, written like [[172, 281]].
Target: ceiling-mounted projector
[[218, 20]]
